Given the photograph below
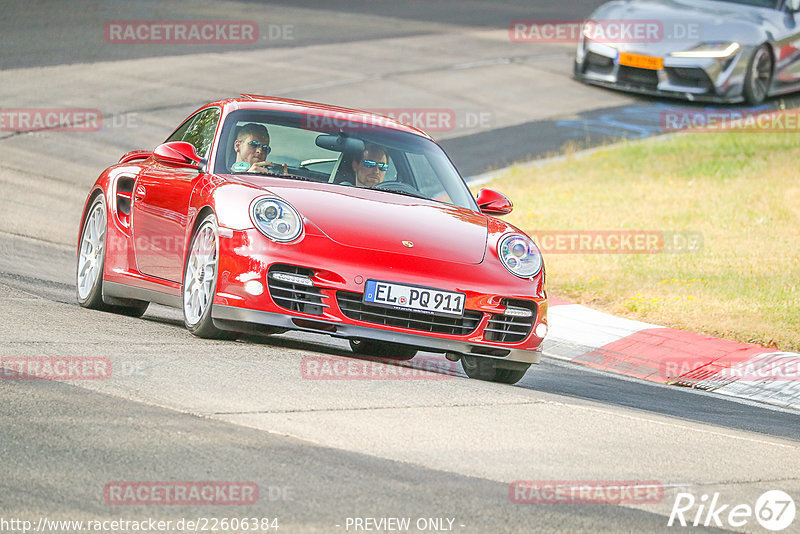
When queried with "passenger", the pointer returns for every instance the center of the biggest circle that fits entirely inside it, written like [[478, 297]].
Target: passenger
[[252, 147], [370, 169]]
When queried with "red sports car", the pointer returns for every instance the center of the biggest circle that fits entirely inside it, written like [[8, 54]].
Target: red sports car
[[263, 215]]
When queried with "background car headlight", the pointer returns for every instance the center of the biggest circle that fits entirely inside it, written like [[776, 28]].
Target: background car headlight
[[590, 34], [520, 255], [276, 219], [712, 50]]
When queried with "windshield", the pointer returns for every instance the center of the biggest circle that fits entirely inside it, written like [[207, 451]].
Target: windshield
[[339, 152]]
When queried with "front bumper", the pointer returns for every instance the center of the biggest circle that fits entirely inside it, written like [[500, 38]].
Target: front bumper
[[693, 79], [331, 305], [666, 93], [227, 317]]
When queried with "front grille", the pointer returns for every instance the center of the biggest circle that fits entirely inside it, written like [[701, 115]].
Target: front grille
[[689, 77], [507, 329], [293, 296], [599, 64], [353, 307], [645, 78]]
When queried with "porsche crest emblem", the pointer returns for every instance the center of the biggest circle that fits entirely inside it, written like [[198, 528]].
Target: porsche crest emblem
[[408, 244]]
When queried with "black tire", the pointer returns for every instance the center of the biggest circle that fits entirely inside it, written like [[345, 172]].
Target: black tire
[[759, 76], [382, 349], [489, 369], [196, 306], [92, 257]]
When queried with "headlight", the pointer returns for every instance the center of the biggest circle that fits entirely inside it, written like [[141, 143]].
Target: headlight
[[276, 219], [520, 255], [710, 50], [587, 29], [593, 29]]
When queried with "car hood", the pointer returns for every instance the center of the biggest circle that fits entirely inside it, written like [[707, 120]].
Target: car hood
[[381, 221], [712, 20]]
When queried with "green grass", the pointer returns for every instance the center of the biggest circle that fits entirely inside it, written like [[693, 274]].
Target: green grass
[[741, 191]]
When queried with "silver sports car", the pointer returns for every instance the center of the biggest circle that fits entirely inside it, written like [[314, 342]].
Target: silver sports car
[[705, 50]]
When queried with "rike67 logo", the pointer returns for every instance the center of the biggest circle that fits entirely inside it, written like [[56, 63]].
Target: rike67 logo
[[774, 510]]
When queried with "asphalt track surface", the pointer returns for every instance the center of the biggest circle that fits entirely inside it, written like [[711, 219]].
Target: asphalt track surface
[[183, 409]]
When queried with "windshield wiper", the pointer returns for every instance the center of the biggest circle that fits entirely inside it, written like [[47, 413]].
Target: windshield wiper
[[402, 192], [279, 175]]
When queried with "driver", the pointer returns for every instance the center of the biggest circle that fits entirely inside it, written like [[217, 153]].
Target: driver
[[252, 148], [370, 169]]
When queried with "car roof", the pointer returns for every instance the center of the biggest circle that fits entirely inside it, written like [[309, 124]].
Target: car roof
[[252, 101]]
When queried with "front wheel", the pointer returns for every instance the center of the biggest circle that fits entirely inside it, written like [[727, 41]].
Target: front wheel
[[200, 281], [490, 369], [382, 349], [759, 76], [91, 262]]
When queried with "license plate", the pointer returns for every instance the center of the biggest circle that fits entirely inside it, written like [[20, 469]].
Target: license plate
[[414, 298], [641, 62]]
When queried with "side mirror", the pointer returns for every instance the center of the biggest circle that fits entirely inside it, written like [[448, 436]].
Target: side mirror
[[493, 203], [177, 154]]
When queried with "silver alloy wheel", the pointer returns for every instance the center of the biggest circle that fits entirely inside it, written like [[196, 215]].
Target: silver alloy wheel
[[201, 272], [761, 73], [91, 255]]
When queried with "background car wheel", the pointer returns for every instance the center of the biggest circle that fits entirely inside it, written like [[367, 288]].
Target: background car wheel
[[91, 261], [382, 349], [488, 369], [200, 282], [759, 76]]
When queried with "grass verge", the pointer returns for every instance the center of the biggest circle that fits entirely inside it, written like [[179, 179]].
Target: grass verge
[[739, 191]]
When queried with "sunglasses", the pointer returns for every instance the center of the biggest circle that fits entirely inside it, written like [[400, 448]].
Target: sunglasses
[[256, 145], [369, 163]]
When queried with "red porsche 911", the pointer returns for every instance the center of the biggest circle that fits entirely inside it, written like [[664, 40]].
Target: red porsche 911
[[262, 215]]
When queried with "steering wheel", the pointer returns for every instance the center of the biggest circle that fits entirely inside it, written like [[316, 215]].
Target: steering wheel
[[398, 186]]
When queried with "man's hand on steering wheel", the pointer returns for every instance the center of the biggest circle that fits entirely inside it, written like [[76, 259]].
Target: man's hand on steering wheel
[[260, 166]]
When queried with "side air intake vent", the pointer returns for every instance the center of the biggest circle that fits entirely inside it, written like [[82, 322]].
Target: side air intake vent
[[512, 326], [123, 194], [291, 288]]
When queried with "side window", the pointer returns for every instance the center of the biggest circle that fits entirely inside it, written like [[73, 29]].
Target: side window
[[181, 131], [201, 132], [198, 130]]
